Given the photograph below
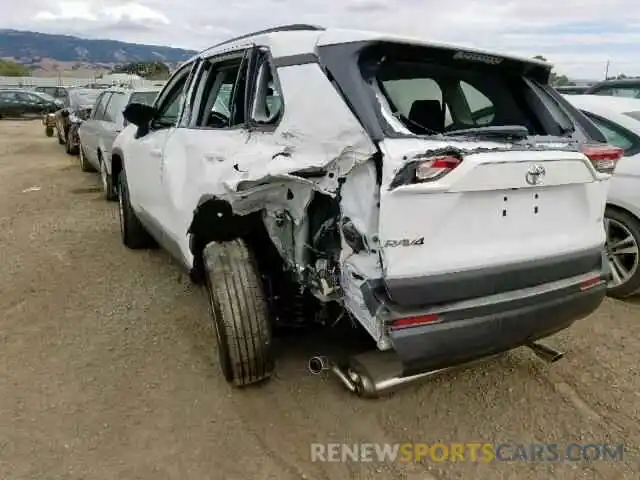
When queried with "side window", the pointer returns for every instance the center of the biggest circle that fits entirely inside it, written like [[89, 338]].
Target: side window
[[220, 93], [267, 101], [481, 108], [7, 97], [115, 107], [28, 98], [101, 106], [614, 135], [170, 100]]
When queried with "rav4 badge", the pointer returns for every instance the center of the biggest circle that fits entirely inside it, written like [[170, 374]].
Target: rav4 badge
[[404, 242]]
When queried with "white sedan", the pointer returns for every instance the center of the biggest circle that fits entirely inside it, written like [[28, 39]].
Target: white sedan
[[619, 120]]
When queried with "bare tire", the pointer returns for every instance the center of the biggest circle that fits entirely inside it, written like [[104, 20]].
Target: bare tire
[[48, 131], [133, 233], [239, 312], [623, 252]]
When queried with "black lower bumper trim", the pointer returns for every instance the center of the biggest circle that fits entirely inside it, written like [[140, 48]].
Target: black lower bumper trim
[[460, 340], [456, 286]]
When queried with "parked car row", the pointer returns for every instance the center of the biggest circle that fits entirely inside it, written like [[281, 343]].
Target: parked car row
[[448, 201]]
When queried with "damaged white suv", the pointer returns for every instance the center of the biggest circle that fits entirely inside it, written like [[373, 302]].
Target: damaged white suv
[[449, 201]]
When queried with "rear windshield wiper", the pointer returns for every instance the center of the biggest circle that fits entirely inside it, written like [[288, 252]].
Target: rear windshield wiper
[[517, 132]]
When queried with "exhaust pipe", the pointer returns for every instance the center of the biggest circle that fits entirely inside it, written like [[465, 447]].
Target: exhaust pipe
[[359, 379], [545, 352]]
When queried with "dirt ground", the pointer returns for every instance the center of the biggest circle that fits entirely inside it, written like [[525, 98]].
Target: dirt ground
[[108, 367]]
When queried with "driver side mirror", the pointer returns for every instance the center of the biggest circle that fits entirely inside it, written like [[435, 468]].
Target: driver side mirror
[[139, 114]]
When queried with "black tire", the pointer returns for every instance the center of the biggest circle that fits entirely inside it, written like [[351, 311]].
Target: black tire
[[68, 148], [133, 233], [239, 312], [85, 166], [110, 190], [48, 131], [632, 224]]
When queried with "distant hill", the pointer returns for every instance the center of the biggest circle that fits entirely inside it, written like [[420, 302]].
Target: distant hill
[[35, 49]]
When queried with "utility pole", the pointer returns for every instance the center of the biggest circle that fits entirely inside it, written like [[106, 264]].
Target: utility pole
[[606, 71]]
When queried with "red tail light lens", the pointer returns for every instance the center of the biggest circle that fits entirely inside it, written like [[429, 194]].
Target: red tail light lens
[[433, 168], [414, 321], [603, 157]]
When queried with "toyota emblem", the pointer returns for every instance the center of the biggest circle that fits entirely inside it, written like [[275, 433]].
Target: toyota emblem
[[535, 174]]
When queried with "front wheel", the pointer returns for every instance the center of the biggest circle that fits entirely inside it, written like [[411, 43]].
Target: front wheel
[[85, 166], [623, 252], [108, 187], [240, 313]]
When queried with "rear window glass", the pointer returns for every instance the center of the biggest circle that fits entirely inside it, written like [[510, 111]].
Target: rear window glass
[[146, 98], [428, 97], [83, 98], [613, 134], [628, 92]]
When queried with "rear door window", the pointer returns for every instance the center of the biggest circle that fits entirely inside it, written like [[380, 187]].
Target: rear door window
[[115, 107], [99, 112]]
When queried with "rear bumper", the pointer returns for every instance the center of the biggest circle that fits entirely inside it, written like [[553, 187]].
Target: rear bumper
[[469, 330], [466, 335]]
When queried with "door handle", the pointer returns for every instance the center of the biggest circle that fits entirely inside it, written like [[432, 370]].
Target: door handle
[[214, 158], [156, 152]]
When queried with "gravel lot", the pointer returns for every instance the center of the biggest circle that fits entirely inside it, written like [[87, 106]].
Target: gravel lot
[[108, 368]]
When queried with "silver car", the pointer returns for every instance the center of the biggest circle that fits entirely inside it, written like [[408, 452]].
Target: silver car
[[99, 131], [619, 120]]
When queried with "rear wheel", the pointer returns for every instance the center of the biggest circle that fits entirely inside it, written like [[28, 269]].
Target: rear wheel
[[48, 131], [71, 150], [133, 233], [107, 181], [239, 312], [85, 166], [623, 252]]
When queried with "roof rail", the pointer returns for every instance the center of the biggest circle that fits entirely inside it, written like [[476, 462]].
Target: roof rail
[[294, 27]]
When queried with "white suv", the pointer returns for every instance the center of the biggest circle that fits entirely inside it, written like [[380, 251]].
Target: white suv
[[448, 200]]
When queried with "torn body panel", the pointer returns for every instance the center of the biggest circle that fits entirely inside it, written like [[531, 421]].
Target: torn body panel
[[278, 172]]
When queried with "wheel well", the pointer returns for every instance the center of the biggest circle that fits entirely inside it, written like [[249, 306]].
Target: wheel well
[[622, 210], [214, 220]]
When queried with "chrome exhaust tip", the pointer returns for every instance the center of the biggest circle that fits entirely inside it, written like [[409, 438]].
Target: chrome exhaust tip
[[361, 378], [545, 352]]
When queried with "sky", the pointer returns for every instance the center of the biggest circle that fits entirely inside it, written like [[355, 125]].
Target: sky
[[577, 36]]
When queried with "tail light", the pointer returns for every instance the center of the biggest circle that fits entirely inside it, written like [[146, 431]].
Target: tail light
[[416, 321], [433, 168], [603, 157]]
